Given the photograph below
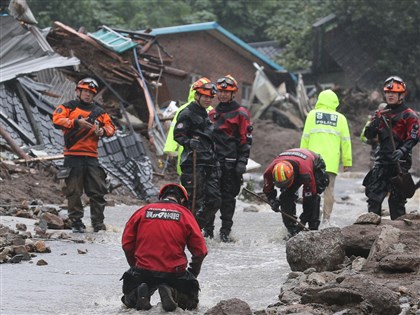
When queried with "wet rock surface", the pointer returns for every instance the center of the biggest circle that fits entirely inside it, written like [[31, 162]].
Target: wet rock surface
[[385, 281]]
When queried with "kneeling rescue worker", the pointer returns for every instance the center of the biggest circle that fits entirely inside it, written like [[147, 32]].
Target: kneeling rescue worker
[[288, 171], [154, 241]]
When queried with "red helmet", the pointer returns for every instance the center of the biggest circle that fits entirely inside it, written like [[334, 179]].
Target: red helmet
[[173, 189], [394, 84], [204, 86], [283, 174], [227, 83], [88, 84]]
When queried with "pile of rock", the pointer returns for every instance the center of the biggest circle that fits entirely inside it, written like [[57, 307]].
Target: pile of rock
[[370, 267], [20, 244]]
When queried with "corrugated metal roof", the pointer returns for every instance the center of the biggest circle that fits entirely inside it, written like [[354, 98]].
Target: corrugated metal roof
[[113, 40], [122, 155], [270, 49], [213, 26], [24, 52]]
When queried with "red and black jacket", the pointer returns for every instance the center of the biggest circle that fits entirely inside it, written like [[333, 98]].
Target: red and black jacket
[[405, 131], [303, 169], [232, 132]]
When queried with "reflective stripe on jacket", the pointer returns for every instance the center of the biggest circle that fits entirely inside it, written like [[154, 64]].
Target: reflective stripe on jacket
[[326, 132], [171, 146]]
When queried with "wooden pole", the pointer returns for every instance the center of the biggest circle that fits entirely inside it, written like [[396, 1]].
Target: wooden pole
[[40, 159], [194, 196]]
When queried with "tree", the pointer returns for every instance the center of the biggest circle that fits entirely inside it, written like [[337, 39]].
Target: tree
[[390, 32], [74, 13], [291, 26]]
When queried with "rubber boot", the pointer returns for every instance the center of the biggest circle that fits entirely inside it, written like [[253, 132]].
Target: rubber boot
[[139, 298], [208, 233], [314, 225], [143, 297], [78, 226], [168, 298], [224, 237]]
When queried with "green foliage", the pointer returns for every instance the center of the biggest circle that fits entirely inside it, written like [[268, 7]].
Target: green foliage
[[291, 26], [387, 29], [74, 13], [246, 19]]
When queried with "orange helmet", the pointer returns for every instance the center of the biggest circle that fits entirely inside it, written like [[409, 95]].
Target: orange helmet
[[173, 189], [204, 86], [283, 174], [88, 84], [227, 83], [394, 84]]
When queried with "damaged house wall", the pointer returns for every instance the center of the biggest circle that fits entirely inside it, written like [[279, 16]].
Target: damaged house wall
[[207, 49], [28, 102]]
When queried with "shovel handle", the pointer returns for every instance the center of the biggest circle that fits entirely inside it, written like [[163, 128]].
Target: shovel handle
[[391, 135], [282, 212], [194, 196]]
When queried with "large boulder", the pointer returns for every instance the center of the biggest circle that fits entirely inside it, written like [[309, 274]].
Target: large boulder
[[322, 250], [230, 307], [358, 239]]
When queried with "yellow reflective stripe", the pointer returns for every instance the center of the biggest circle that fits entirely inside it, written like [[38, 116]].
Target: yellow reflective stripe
[[330, 131]]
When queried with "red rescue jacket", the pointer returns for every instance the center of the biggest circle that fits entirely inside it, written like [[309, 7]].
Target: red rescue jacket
[[156, 235]]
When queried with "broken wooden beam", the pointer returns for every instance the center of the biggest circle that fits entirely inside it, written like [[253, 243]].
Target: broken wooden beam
[[16, 149], [40, 159]]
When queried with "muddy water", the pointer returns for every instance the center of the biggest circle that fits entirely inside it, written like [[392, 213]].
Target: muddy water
[[252, 268]]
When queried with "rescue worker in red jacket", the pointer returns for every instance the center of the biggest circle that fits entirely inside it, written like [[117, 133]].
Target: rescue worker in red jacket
[[288, 171], [194, 131], [83, 123], [154, 241], [233, 139], [405, 132]]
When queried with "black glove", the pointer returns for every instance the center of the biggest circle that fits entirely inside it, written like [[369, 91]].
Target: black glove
[[275, 205], [195, 265], [194, 144], [397, 155], [376, 119], [240, 168], [193, 272]]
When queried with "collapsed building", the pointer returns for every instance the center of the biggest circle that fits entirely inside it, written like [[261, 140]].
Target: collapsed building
[[39, 69]]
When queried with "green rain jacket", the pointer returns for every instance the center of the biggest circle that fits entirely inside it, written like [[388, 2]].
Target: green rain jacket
[[326, 132], [171, 146]]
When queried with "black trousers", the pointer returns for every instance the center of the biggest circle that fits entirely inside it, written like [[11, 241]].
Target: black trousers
[[207, 191], [230, 186], [310, 207], [185, 284], [378, 184]]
